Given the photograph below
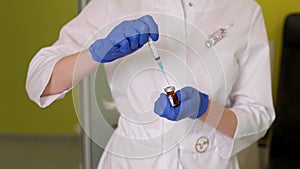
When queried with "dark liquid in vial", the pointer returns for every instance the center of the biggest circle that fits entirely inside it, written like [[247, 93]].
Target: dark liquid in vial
[[170, 90]]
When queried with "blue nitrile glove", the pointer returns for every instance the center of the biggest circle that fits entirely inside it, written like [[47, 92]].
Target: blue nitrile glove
[[124, 39], [193, 104]]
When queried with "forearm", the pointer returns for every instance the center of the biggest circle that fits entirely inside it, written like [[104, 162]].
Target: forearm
[[68, 71], [226, 124]]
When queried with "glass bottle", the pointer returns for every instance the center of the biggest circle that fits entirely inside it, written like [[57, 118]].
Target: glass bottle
[[170, 91]]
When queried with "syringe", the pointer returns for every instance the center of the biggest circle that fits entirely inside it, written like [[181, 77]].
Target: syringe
[[157, 57]]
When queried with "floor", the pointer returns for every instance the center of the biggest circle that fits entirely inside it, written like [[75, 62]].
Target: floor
[[39, 152]]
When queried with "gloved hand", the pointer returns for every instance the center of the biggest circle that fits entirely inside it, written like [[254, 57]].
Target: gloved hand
[[193, 104], [124, 39]]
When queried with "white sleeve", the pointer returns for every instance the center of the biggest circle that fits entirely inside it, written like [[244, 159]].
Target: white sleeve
[[251, 96], [72, 39]]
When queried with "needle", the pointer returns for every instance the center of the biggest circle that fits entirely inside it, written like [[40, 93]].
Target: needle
[[157, 58]]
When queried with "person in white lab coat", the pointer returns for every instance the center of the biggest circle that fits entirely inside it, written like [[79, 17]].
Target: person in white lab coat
[[224, 111]]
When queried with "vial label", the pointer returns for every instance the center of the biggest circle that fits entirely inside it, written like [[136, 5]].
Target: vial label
[[171, 100]]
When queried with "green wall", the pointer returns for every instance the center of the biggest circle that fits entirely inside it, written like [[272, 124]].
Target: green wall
[[26, 26], [275, 12]]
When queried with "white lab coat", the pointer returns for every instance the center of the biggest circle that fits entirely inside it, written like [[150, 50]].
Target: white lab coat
[[243, 85]]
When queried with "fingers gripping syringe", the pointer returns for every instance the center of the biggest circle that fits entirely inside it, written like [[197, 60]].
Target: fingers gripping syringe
[[157, 58]]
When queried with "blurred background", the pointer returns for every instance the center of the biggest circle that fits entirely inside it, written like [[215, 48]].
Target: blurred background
[[32, 137]]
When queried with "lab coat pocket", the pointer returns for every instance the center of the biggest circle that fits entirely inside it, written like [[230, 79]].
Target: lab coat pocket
[[199, 150]]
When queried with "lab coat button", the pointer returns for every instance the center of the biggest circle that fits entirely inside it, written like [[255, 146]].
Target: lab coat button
[[202, 144], [190, 4]]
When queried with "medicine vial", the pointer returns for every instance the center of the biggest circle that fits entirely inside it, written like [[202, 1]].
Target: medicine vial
[[217, 36], [170, 91]]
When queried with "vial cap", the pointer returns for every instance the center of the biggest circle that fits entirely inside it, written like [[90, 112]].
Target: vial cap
[[169, 89]]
